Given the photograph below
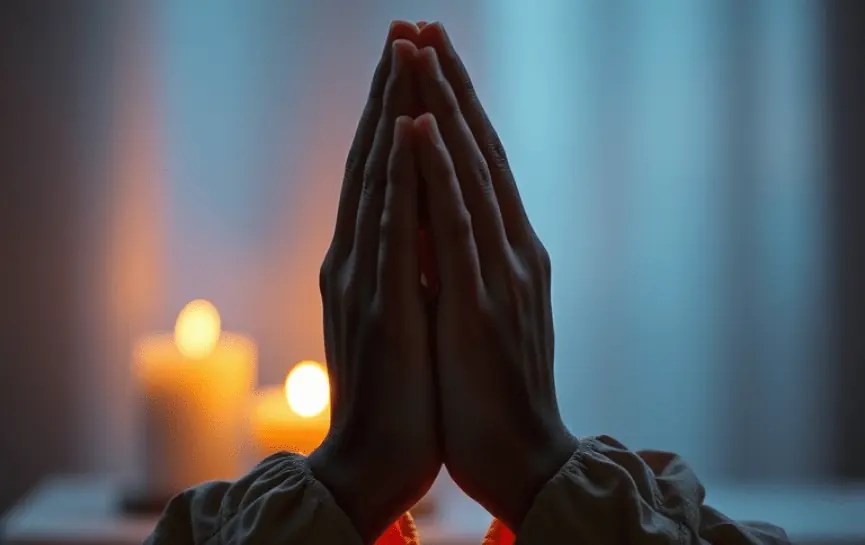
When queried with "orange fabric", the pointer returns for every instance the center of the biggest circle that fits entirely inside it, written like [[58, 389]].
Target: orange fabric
[[401, 532], [404, 532], [499, 534]]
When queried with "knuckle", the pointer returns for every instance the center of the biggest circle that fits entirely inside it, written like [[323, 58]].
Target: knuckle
[[324, 274], [387, 224], [441, 168], [376, 312], [344, 282], [470, 91], [449, 106], [349, 297], [496, 151], [465, 89], [391, 232], [352, 164], [519, 276], [343, 287], [543, 257], [382, 327], [372, 178], [390, 331], [481, 173], [481, 312], [460, 229]]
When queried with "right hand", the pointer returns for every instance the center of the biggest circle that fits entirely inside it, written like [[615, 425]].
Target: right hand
[[503, 435], [382, 452]]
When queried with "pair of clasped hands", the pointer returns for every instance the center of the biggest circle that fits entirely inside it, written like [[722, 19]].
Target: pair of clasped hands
[[461, 374]]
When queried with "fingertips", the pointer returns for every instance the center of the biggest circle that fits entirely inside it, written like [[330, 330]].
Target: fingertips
[[397, 263], [402, 36], [430, 67], [402, 175], [403, 129], [451, 68], [401, 192], [402, 155], [432, 34], [448, 63], [403, 49], [426, 127], [362, 144], [449, 218], [402, 30], [433, 154], [435, 36]]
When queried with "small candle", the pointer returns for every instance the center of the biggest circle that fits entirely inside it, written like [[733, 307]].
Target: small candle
[[296, 416], [197, 387]]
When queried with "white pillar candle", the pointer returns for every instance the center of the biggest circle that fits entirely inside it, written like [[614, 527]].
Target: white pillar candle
[[196, 390], [295, 417]]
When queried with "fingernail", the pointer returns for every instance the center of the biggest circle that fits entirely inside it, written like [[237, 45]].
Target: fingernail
[[425, 123], [435, 26], [393, 29], [403, 50], [403, 122], [402, 28]]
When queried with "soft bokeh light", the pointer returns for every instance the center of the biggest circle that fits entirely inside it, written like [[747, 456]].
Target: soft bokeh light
[[307, 389], [197, 329]]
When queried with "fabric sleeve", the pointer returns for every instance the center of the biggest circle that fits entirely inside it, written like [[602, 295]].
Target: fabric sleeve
[[608, 495], [278, 502]]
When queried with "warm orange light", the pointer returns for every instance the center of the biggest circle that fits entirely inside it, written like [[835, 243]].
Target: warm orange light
[[307, 389], [197, 329]]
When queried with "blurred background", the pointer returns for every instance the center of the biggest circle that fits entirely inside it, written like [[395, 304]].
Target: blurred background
[[694, 168]]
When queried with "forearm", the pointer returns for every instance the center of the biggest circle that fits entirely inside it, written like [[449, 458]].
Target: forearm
[[606, 494], [279, 501]]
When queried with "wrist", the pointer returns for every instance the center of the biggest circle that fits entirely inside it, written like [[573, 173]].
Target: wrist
[[541, 463], [348, 482], [372, 483]]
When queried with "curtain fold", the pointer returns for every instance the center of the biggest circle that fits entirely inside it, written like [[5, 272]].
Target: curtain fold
[[670, 156]]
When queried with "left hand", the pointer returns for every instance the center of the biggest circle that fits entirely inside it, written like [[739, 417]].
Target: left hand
[[382, 452], [502, 431]]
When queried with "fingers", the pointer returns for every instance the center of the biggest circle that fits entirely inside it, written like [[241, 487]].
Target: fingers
[[346, 218], [451, 223], [469, 162], [513, 213], [398, 245], [398, 100]]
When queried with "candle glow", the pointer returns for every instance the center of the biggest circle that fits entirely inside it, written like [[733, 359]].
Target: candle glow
[[307, 389], [196, 386], [197, 329]]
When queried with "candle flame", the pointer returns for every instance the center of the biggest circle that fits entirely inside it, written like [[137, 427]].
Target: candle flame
[[307, 389], [197, 329]]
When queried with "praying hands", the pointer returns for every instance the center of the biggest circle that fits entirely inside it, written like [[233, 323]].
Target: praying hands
[[439, 337]]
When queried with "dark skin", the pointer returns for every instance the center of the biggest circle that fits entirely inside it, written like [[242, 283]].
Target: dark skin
[[464, 379]]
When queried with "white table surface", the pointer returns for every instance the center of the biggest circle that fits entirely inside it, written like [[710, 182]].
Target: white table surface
[[81, 511]]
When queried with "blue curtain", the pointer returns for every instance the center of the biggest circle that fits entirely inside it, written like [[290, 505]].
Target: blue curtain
[[669, 155]]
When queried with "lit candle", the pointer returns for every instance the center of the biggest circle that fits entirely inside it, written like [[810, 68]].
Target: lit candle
[[196, 387], [294, 417]]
